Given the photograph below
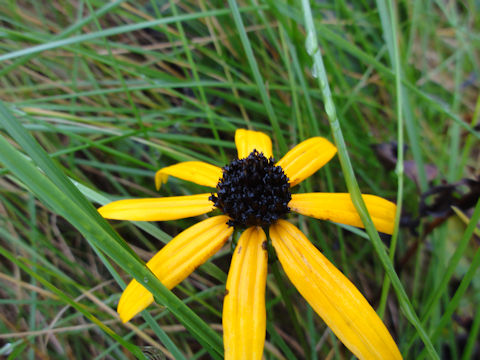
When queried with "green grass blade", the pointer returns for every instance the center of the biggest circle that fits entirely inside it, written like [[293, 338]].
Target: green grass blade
[[389, 25], [113, 31], [257, 76], [132, 348], [58, 198], [347, 169]]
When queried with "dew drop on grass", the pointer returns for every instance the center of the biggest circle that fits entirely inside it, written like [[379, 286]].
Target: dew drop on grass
[[314, 72]]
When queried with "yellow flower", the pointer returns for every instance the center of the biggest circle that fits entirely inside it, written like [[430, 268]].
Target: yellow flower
[[254, 193]]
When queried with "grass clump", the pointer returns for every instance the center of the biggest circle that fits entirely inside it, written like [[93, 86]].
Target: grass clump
[[96, 96]]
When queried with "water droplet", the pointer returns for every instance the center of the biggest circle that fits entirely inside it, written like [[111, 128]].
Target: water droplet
[[311, 43], [314, 72], [145, 280]]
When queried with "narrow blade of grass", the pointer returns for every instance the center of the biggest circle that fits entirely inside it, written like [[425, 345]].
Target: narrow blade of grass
[[73, 206], [347, 169]]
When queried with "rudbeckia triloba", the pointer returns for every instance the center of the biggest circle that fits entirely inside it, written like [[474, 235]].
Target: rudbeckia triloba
[[253, 192]]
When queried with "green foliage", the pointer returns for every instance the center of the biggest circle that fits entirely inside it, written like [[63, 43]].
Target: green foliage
[[98, 95]]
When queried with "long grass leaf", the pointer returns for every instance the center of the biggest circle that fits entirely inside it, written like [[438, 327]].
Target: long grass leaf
[[352, 185], [58, 199]]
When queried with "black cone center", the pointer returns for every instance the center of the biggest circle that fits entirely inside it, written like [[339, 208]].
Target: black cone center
[[253, 191]]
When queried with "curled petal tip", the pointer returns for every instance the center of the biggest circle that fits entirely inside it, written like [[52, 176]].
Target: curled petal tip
[[160, 179], [134, 299]]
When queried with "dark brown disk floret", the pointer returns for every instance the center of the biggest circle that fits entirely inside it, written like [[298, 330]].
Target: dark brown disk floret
[[253, 191]]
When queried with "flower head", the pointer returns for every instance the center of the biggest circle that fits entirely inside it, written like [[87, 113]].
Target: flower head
[[253, 192]]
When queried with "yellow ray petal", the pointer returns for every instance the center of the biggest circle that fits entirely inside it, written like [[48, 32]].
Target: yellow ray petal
[[157, 209], [248, 140], [197, 172], [244, 317], [178, 259], [333, 297], [306, 158], [338, 207]]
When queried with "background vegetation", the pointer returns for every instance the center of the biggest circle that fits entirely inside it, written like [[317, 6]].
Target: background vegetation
[[97, 95]]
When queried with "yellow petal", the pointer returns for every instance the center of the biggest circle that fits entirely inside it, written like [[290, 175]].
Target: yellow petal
[[157, 209], [338, 207], [306, 158], [197, 172], [333, 297], [248, 140], [178, 259], [244, 317]]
